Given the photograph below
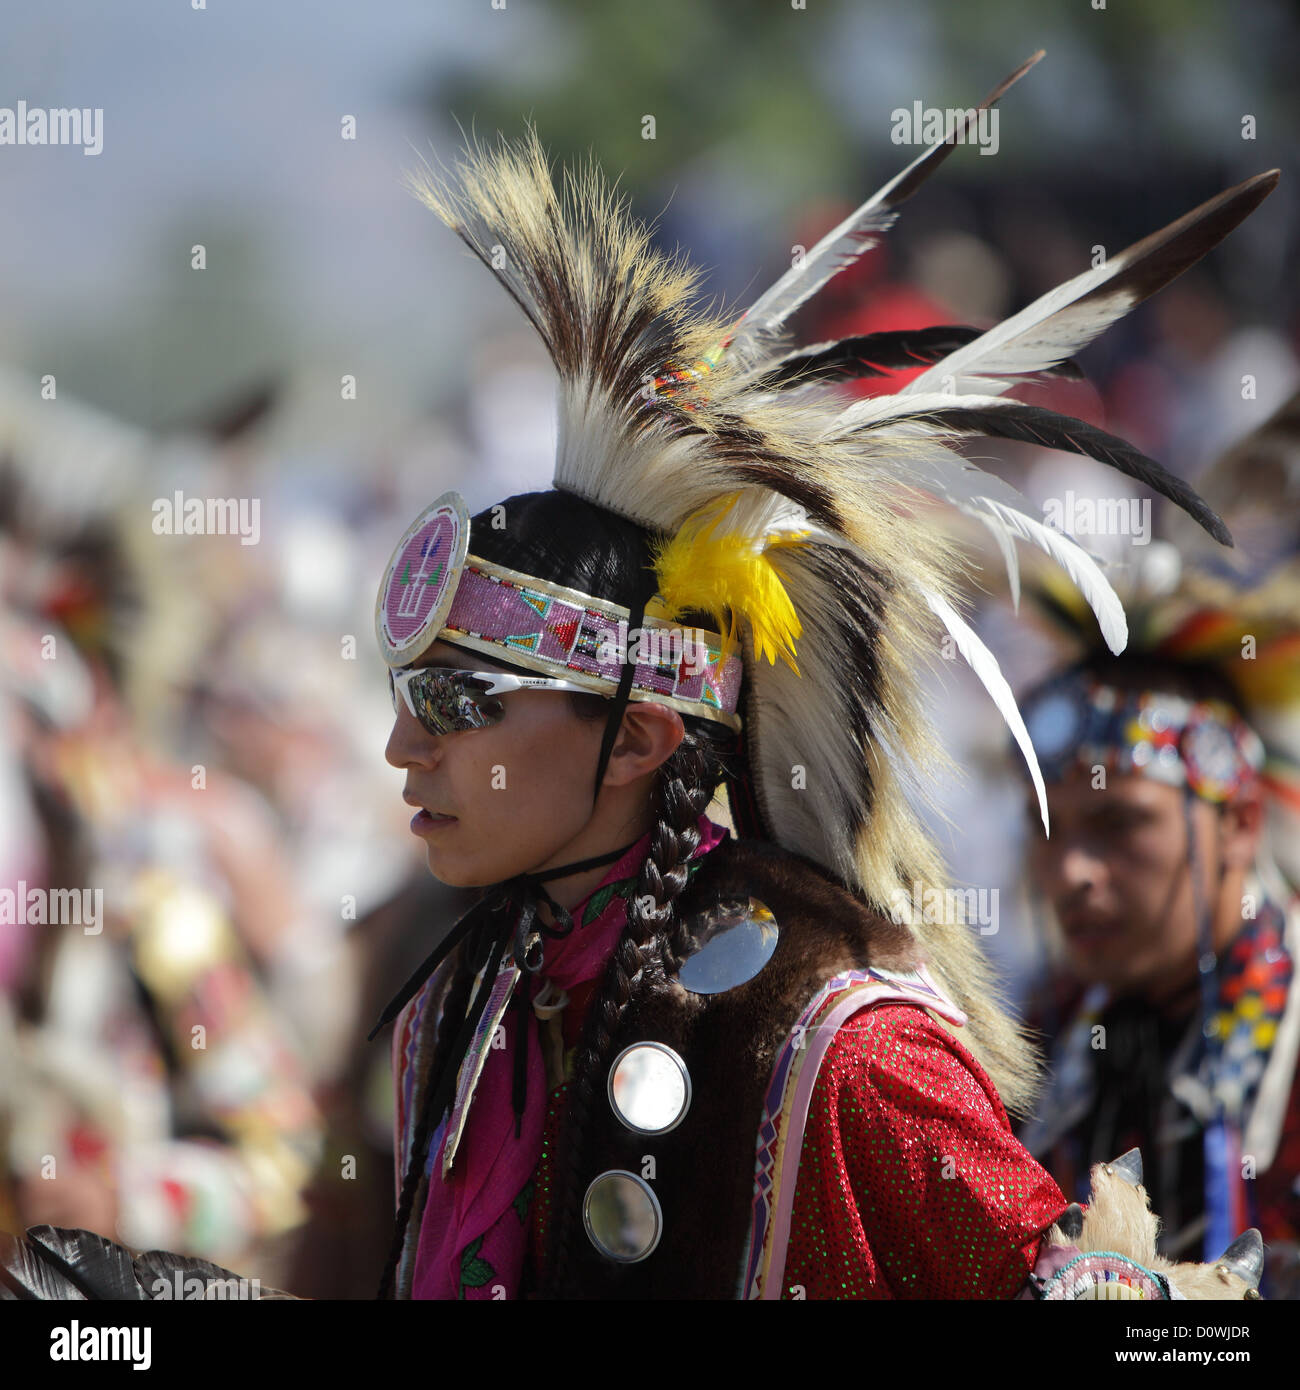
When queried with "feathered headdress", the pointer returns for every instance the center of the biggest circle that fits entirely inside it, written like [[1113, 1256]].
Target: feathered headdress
[[787, 514]]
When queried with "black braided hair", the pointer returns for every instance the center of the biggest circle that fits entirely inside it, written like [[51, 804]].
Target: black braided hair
[[651, 945]]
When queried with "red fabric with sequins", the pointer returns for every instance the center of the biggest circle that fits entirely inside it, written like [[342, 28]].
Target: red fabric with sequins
[[911, 1184]]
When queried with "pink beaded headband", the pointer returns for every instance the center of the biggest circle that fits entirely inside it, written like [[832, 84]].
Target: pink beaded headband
[[433, 588]]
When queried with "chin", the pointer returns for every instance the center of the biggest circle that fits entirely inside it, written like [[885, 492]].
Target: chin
[[1118, 976], [454, 872], [1098, 967]]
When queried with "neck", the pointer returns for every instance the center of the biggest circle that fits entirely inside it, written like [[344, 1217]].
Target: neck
[[1178, 993], [601, 835], [1176, 997]]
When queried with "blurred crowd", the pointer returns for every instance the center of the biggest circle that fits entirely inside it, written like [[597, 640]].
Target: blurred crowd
[[202, 852]]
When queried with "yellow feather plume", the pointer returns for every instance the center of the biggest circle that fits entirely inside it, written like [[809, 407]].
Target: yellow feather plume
[[717, 564]]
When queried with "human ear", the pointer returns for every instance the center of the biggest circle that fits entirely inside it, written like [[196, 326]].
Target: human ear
[[647, 738], [1243, 819]]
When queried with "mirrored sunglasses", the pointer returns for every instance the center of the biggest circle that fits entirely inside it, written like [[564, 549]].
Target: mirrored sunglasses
[[447, 701]]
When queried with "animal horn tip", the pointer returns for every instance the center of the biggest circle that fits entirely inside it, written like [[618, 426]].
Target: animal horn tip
[[1245, 1257], [1070, 1221], [1129, 1167]]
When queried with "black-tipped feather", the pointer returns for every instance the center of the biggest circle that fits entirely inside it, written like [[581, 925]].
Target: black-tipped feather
[[26, 1274], [874, 354], [1070, 316], [97, 1267], [913, 177], [1032, 424], [841, 246]]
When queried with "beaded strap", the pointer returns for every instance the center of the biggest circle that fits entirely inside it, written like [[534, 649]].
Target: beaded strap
[[785, 1109]]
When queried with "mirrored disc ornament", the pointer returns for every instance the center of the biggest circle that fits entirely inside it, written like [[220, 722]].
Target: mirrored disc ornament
[[622, 1216], [736, 940], [420, 581], [649, 1088], [1056, 725]]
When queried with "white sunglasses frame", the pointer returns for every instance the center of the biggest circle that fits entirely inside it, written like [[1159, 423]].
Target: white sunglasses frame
[[499, 683]]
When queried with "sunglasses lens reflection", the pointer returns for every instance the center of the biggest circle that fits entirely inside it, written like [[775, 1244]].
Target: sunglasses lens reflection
[[449, 702]]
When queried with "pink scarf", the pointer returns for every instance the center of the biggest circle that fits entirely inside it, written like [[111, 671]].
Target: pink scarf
[[474, 1235]]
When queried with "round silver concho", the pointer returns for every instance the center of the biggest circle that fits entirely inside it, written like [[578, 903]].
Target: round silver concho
[[1056, 724], [649, 1088], [622, 1217], [737, 938]]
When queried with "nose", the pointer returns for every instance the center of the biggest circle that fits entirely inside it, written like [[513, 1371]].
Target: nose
[[410, 744], [1078, 869], [1074, 879]]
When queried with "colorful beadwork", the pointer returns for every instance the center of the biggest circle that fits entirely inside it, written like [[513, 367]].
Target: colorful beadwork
[[433, 588], [1105, 1275], [1078, 721], [420, 581], [1255, 976], [560, 632]]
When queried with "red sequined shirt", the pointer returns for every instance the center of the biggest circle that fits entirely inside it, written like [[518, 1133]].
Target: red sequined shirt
[[911, 1183]]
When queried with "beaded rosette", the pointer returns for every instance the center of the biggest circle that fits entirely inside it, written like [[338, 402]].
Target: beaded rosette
[[1103, 1275]]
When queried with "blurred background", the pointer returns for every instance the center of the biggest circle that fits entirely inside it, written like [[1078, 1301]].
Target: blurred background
[[235, 298]]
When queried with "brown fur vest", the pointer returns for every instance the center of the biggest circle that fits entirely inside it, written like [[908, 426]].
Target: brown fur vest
[[703, 1171]]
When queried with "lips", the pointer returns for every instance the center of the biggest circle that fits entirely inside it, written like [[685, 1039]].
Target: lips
[[430, 823], [1090, 932], [426, 819]]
